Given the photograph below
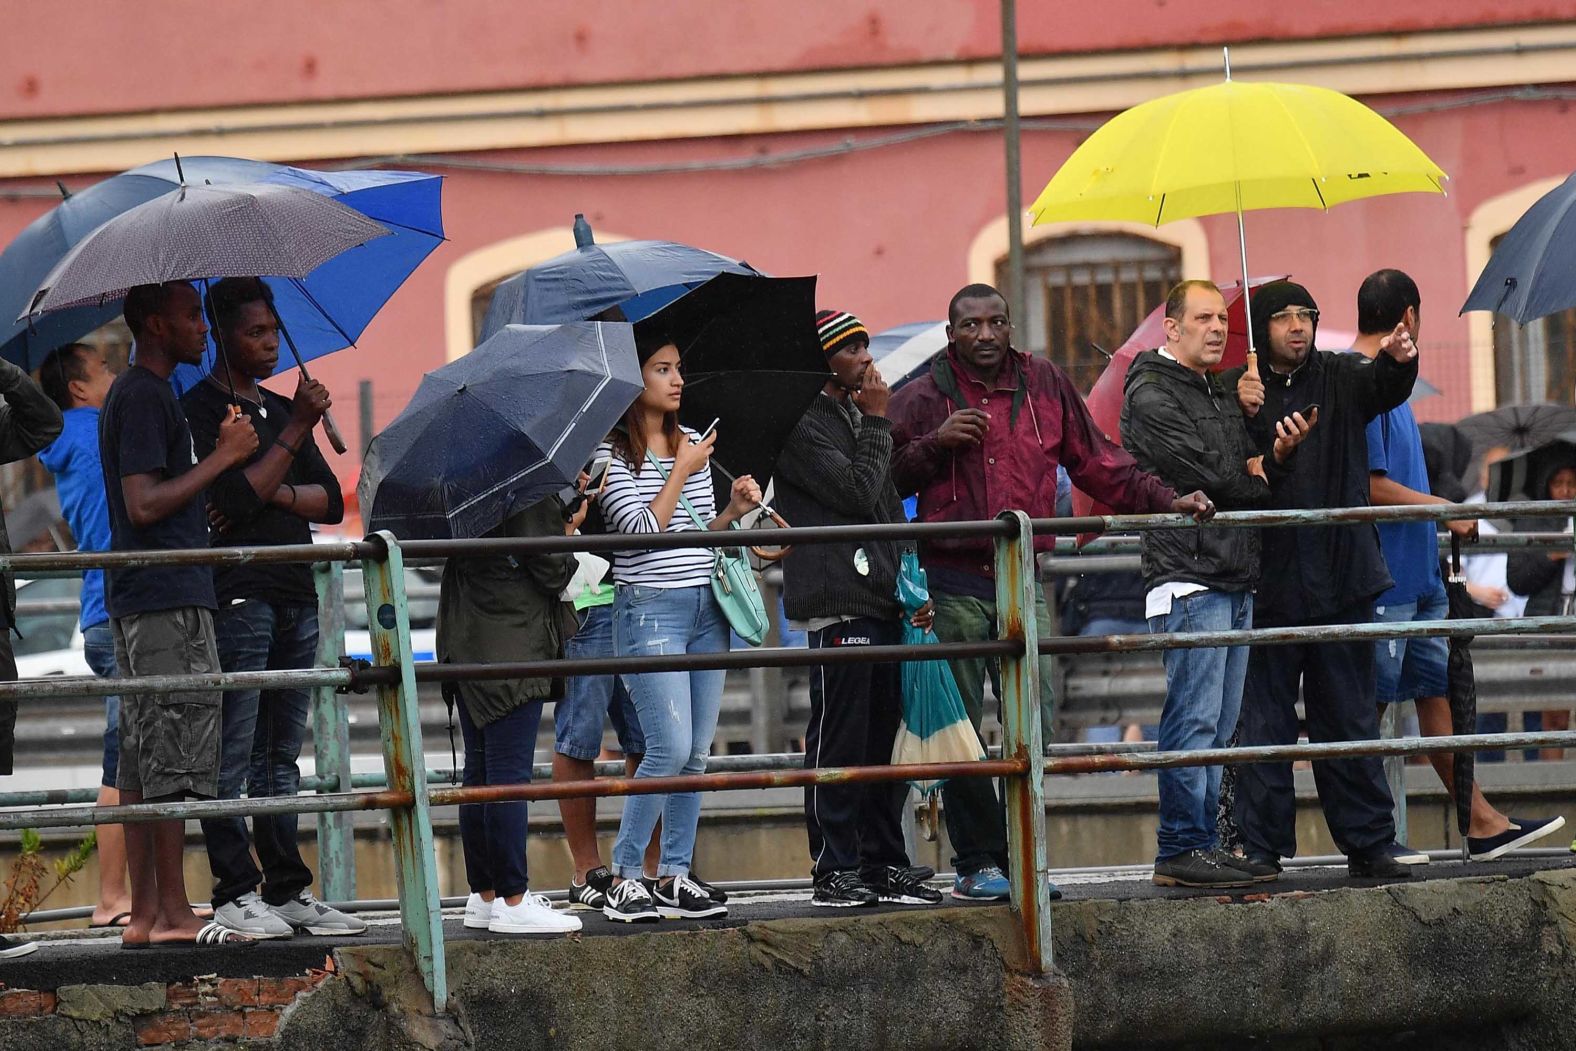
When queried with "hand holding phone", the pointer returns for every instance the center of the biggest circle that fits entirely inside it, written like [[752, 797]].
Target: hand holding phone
[[597, 475]]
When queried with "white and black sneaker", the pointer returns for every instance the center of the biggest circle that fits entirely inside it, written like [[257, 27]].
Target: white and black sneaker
[[716, 894], [592, 894], [630, 902], [902, 885], [251, 916], [842, 889], [12, 947], [678, 898]]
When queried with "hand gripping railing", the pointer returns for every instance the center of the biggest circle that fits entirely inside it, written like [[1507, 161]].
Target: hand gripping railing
[[394, 675]]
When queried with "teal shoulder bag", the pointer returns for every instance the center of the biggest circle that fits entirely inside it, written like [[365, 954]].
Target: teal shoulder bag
[[732, 579]]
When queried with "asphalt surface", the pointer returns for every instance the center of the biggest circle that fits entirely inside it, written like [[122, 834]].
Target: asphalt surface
[[95, 957]]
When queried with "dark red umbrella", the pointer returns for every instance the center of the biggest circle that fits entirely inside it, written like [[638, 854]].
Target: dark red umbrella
[[1105, 398]]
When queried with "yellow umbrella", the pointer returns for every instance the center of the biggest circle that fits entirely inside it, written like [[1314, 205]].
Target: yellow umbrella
[[1233, 147]]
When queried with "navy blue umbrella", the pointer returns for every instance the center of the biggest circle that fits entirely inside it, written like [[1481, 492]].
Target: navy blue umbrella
[[493, 432], [1532, 272], [324, 312], [638, 277]]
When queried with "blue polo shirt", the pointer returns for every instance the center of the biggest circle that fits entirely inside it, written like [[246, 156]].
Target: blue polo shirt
[[73, 458], [1411, 549]]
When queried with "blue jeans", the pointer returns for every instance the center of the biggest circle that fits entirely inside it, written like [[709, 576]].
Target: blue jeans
[[262, 731], [98, 648], [678, 713], [1411, 669], [1203, 699], [591, 700], [493, 834]]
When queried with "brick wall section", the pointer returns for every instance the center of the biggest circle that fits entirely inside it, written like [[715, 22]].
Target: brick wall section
[[221, 1010]]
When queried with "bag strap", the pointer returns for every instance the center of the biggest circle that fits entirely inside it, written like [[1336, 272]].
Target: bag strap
[[694, 515]]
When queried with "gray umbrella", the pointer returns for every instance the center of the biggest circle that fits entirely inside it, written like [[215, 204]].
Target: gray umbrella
[[1518, 427], [244, 230]]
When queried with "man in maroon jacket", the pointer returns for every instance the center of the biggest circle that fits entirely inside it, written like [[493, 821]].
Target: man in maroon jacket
[[981, 434]]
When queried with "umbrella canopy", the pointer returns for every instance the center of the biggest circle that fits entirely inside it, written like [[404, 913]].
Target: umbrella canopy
[[495, 431], [1518, 427], [1235, 147], [904, 353], [638, 277], [1447, 453], [200, 232], [325, 311], [751, 361], [1524, 475], [1532, 272]]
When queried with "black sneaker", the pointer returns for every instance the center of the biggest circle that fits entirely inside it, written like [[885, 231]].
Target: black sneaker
[[630, 902], [923, 873], [899, 885], [1379, 863], [1198, 868], [678, 898], [842, 890], [1521, 832], [716, 894], [1264, 868], [592, 894], [11, 947]]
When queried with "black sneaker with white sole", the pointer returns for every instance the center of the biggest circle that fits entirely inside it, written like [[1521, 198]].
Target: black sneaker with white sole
[[842, 890], [716, 894], [630, 902], [678, 898], [901, 885], [592, 894], [12, 947]]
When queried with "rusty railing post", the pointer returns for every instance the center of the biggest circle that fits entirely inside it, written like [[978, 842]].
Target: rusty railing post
[[399, 722], [1016, 581], [336, 832]]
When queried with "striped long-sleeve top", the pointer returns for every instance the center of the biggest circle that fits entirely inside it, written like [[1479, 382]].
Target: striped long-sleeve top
[[626, 508]]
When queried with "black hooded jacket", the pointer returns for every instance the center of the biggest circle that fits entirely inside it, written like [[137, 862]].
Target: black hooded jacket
[[1315, 571], [1534, 574], [1188, 430]]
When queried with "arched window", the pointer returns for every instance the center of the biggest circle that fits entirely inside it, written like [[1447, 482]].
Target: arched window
[[1537, 361], [1088, 291], [481, 299]]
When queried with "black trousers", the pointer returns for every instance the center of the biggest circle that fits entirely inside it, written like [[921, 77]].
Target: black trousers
[[855, 711], [1337, 683]]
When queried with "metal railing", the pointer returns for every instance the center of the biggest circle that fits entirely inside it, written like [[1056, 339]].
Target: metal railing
[[393, 675]]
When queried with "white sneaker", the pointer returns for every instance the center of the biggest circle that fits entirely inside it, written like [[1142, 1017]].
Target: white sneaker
[[251, 916], [306, 913], [534, 915], [478, 913]]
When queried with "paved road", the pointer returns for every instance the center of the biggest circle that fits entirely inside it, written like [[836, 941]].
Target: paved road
[[78, 957]]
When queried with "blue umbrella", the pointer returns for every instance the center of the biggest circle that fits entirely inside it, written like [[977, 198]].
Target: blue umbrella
[[1532, 272], [325, 312], [493, 432], [638, 277]]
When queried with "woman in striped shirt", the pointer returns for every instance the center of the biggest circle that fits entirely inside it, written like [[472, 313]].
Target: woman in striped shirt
[[664, 605]]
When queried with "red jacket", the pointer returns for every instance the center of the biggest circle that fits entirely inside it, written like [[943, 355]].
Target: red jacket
[[1038, 420]]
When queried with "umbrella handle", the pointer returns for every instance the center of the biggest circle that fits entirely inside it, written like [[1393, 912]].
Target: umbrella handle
[[331, 429], [770, 554]]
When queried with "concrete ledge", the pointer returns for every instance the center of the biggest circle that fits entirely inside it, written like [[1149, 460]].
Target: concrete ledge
[[936, 978]]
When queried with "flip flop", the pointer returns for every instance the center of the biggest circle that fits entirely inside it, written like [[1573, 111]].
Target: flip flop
[[120, 919], [212, 934]]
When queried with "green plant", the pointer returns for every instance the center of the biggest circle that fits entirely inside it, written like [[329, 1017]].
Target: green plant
[[25, 888]]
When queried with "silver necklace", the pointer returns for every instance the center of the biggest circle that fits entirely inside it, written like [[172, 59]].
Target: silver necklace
[[262, 410]]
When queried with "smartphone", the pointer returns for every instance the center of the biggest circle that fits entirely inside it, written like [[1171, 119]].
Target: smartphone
[[1306, 410], [707, 432], [598, 473]]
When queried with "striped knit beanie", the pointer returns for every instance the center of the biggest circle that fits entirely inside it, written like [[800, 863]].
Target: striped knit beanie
[[838, 328]]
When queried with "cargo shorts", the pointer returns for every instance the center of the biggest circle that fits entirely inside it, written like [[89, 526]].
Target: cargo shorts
[[169, 742]]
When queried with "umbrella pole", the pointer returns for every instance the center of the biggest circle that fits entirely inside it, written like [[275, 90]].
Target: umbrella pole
[[1242, 246], [218, 345], [330, 428]]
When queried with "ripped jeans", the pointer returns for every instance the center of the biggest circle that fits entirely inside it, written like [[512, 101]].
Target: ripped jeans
[[678, 715]]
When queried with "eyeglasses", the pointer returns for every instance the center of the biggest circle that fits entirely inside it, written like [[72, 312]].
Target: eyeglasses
[[1296, 314], [972, 325]]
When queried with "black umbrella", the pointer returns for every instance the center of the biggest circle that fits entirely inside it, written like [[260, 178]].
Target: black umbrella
[[1447, 454], [751, 361], [1517, 427], [1532, 272], [1462, 692]]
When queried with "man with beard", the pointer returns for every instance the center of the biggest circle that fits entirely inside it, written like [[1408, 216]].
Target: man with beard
[[1325, 575]]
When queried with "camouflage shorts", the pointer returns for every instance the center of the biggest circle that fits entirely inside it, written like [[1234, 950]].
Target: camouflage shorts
[[169, 742]]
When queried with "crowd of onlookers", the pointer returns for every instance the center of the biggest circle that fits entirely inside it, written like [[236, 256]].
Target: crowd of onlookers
[[983, 429]]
